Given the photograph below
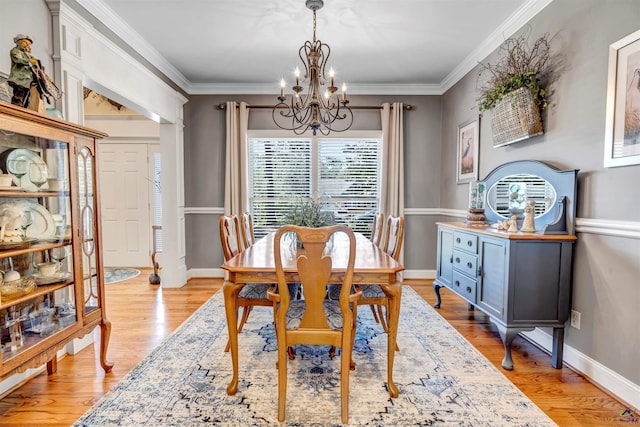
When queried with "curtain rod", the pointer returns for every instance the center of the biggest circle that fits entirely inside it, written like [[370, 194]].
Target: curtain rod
[[406, 107]]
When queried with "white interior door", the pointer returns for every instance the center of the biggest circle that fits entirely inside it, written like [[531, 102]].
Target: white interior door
[[124, 200]]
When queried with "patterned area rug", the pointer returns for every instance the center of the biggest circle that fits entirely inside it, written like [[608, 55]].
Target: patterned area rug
[[443, 380], [118, 274]]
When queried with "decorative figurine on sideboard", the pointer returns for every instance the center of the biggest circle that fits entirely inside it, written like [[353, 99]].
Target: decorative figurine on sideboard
[[528, 225], [513, 224], [31, 85]]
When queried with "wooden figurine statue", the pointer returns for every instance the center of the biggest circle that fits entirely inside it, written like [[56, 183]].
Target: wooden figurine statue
[[513, 224], [528, 225]]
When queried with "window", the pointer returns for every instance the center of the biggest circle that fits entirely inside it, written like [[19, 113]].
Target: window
[[345, 173]]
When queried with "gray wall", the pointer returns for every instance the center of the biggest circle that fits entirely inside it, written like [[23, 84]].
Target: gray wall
[[606, 269], [205, 158], [606, 287]]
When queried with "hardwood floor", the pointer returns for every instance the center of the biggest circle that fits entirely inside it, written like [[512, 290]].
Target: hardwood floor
[[142, 315]]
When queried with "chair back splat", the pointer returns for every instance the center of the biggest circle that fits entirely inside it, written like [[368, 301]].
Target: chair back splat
[[246, 225], [314, 320], [377, 228], [230, 236]]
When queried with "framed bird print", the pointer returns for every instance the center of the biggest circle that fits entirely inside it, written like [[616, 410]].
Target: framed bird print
[[468, 149]]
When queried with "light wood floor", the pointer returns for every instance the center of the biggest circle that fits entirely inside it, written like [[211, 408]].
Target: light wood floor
[[142, 315]]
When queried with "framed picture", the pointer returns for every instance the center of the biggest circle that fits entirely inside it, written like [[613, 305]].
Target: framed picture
[[468, 149], [622, 129]]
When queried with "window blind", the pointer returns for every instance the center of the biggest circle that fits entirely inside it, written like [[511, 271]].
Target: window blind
[[345, 174]]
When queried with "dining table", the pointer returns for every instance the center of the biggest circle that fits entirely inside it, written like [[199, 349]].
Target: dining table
[[256, 264]]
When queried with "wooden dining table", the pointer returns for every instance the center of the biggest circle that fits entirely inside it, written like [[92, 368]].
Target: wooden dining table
[[256, 264]]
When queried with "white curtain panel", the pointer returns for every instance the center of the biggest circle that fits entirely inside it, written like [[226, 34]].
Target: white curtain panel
[[392, 197], [235, 200]]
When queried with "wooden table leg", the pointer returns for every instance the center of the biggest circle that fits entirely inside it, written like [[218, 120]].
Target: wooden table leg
[[394, 292], [230, 291]]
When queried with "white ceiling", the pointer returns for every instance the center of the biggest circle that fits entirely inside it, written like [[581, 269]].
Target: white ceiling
[[377, 46]]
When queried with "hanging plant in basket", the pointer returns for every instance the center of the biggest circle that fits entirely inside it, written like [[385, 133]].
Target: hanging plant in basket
[[515, 91]]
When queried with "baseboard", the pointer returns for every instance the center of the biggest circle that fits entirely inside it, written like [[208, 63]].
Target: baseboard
[[205, 272], [598, 374], [419, 274]]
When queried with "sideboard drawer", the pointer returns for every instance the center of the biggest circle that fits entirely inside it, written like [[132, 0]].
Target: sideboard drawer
[[464, 286], [465, 241], [467, 263]]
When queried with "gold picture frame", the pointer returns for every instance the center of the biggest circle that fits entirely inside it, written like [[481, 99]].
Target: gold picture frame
[[468, 150], [622, 129]]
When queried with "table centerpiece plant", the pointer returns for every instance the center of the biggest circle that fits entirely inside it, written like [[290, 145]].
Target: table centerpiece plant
[[308, 212]]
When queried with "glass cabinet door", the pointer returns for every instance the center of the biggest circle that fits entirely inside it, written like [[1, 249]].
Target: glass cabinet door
[[87, 205], [37, 295]]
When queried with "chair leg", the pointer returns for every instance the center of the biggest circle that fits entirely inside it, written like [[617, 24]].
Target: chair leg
[[375, 315], [352, 364], [246, 310], [282, 381], [345, 362]]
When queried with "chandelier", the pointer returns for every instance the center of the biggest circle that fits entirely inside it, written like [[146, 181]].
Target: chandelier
[[325, 112]]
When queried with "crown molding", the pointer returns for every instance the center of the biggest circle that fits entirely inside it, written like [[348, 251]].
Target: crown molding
[[516, 21], [272, 88], [123, 30]]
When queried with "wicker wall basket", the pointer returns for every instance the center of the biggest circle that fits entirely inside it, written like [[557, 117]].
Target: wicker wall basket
[[515, 118]]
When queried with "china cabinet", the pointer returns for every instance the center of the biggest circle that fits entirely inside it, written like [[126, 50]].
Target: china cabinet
[[51, 286], [521, 280]]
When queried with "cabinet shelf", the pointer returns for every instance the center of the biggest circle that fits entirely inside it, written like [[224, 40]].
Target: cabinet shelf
[[25, 194], [36, 246], [39, 291]]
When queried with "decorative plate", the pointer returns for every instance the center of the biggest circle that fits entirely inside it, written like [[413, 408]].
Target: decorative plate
[[60, 276], [43, 226], [19, 163]]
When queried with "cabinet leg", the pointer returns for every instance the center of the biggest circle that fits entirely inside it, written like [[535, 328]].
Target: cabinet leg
[[52, 365], [105, 334], [558, 347], [507, 335], [436, 289]]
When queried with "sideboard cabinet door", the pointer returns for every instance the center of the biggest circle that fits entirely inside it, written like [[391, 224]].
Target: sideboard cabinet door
[[493, 276], [445, 258]]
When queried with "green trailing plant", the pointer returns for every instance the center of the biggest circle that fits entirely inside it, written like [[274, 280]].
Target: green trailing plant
[[520, 66], [307, 212]]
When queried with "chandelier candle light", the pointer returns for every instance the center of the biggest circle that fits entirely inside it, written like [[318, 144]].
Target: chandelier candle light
[[327, 112]]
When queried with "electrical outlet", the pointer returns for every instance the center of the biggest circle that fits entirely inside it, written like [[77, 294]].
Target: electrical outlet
[[575, 319]]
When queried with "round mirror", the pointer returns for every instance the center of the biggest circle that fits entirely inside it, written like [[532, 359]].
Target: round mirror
[[509, 195]]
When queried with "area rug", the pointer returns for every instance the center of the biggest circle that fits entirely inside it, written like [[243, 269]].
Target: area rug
[[443, 380], [118, 274]]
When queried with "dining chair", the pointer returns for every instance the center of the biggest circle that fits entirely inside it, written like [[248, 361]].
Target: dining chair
[[246, 225], [377, 228], [314, 320], [252, 294], [373, 295]]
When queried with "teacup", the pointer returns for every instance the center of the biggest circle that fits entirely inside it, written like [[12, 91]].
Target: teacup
[[6, 180], [48, 268]]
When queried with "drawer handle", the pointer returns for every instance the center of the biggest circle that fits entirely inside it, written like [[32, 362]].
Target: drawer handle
[[458, 260], [457, 283], [468, 289], [469, 265], [469, 243], [458, 240], [451, 260]]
